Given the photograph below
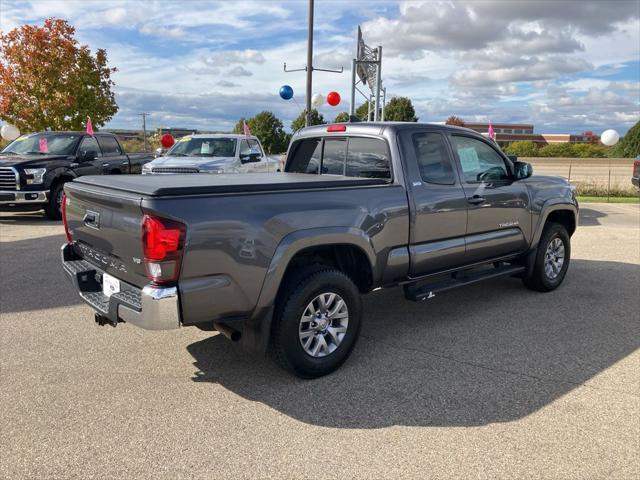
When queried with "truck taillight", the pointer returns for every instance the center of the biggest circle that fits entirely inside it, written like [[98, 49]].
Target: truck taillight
[[162, 242], [63, 207]]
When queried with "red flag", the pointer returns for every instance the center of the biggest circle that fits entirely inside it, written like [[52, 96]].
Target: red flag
[[492, 133], [89, 126], [246, 129]]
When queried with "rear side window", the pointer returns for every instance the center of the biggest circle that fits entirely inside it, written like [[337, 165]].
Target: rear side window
[[433, 158], [368, 157], [109, 146], [353, 157], [306, 156]]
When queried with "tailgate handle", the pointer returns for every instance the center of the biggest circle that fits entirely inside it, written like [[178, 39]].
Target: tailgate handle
[[92, 219]]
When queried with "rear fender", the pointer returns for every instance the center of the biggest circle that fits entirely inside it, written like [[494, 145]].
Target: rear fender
[[257, 329]]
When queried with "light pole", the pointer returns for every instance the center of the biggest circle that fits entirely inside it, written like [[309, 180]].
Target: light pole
[[307, 119], [144, 128], [309, 68]]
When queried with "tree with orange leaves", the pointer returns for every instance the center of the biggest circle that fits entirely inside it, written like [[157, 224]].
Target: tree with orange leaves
[[49, 81]]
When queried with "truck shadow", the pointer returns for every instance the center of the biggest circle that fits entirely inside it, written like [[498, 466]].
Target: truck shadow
[[26, 219], [494, 352], [31, 276], [589, 217]]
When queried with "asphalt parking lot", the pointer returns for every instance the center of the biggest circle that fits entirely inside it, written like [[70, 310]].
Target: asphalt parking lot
[[492, 381]]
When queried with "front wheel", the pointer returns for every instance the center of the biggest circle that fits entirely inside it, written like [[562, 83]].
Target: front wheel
[[551, 260], [53, 208], [316, 325]]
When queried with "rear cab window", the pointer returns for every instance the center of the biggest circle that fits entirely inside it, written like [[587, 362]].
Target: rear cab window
[[109, 146], [362, 157]]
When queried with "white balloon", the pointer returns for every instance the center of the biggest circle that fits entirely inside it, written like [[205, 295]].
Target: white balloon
[[9, 132], [610, 137], [317, 100]]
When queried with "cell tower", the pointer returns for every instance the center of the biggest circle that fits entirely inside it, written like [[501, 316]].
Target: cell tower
[[367, 67]]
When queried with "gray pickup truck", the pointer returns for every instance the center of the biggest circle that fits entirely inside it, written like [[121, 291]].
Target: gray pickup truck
[[278, 262]]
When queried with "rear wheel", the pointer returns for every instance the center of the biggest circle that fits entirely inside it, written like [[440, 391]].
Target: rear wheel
[[317, 324], [53, 208], [551, 260]]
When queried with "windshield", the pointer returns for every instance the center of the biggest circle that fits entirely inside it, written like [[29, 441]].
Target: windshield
[[204, 147], [44, 144]]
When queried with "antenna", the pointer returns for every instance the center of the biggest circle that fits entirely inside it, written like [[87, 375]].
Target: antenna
[[367, 67]]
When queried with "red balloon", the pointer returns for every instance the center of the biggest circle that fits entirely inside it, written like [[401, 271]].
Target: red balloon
[[167, 140], [333, 98]]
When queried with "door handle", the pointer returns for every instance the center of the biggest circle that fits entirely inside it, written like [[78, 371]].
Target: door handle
[[475, 200], [105, 164], [125, 162]]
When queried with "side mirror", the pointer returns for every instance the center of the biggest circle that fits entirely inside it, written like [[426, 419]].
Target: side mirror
[[522, 170], [251, 157], [513, 158], [159, 152]]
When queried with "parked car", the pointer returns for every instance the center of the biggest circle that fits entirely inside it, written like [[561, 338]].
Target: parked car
[[635, 178], [214, 153], [278, 262], [35, 167]]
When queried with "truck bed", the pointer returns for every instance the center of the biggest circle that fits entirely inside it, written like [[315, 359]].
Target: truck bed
[[174, 185]]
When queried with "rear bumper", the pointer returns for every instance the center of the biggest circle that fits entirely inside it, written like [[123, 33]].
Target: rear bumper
[[13, 198], [151, 308]]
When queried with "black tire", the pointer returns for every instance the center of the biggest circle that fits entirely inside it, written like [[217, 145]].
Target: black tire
[[537, 278], [286, 346], [52, 209]]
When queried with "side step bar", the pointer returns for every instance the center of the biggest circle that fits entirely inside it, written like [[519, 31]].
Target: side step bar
[[420, 291]]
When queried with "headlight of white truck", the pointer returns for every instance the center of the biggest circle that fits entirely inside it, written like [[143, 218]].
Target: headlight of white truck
[[146, 168], [35, 175]]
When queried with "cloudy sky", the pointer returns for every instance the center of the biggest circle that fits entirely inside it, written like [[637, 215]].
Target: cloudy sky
[[566, 66]]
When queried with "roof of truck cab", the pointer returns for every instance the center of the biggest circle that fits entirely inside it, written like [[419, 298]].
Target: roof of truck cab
[[220, 135], [376, 128]]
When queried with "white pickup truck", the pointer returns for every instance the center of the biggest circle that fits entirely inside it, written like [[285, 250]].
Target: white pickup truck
[[214, 153]]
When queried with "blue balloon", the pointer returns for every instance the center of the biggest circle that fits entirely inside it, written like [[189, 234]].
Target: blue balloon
[[286, 92]]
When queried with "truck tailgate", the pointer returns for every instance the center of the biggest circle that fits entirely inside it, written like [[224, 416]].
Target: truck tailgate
[[107, 228]]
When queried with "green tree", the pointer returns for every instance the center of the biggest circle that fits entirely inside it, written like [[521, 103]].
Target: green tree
[[523, 148], [588, 150], [629, 146], [341, 117], [239, 127], [269, 129], [48, 80], [557, 150], [458, 122], [400, 109], [316, 119]]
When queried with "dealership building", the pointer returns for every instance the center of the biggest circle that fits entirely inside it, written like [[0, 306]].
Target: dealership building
[[507, 133]]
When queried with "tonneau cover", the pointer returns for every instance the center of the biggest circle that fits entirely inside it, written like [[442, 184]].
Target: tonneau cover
[[198, 184]]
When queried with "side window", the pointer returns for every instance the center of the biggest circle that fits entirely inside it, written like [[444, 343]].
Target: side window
[[254, 146], [433, 158], [368, 157], [305, 156], [89, 145], [109, 146], [335, 150], [245, 150], [478, 160]]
